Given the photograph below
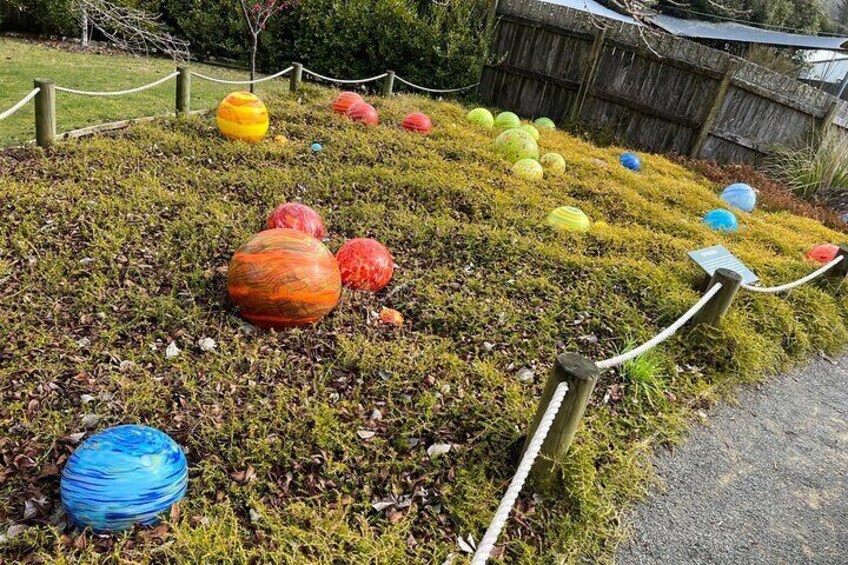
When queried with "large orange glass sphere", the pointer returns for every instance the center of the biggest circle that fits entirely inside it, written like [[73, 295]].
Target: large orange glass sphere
[[365, 264], [344, 101], [282, 278], [242, 116]]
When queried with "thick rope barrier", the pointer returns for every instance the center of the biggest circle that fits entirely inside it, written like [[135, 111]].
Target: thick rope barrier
[[342, 81], [799, 282], [20, 103], [245, 82], [487, 544], [662, 336], [119, 92], [435, 90]]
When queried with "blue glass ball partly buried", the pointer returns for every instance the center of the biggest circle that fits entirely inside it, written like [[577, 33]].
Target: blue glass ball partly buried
[[123, 476], [317, 147], [741, 196], [630, 161], [721, 220]]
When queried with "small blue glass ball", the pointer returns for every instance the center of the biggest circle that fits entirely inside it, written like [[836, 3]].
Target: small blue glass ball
[[317, 148], [630, 161], [123, 476], [741, 196], [721, 220]]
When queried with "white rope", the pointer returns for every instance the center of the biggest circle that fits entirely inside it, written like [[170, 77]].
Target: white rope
[[799, 282], [255, 81], [340, 81], [487, 544], [119, 92], [435, 90], [20, 104], [662, 336]]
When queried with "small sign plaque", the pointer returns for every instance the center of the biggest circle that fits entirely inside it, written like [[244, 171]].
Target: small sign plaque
[[718, 257]]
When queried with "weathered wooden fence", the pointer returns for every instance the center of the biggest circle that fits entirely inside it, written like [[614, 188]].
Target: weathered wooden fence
[[652, 90]]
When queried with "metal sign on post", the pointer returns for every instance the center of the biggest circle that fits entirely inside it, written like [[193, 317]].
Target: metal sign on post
[[717, 257]]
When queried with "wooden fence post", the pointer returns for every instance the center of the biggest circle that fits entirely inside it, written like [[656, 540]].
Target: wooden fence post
[[826, 121], [588, 74], [388, 83], [580, 374], [296, 77], [713, 311], [45, 113], [183, 92], [841, 269], [715, 107]]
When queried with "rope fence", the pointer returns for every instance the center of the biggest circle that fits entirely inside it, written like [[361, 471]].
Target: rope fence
[[243, 82], [788, 286], [45, 93], [20, 104], [436, 90], [573, 378], [343, 81], [119, 92]]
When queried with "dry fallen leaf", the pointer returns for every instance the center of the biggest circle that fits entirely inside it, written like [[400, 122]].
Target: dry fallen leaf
[[438, 449], [365, 434], [172, 350]]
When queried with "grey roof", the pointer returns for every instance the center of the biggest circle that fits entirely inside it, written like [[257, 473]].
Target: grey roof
[[593, 8], [724, 31], [729, 31]]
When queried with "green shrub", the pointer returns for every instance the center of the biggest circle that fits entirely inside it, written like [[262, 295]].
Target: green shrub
[[814, 166]]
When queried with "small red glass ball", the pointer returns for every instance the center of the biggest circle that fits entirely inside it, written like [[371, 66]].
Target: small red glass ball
[[344, 101], [298, 217], [365, 264], [363, 113], [418, 122]]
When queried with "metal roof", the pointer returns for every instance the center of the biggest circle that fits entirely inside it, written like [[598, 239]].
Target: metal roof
[[724, 31], [593, 8], [729, 31]]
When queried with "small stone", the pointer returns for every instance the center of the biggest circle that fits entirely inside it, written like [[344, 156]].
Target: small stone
[[86, 398], [172, 350], [376, 414], [83, 342], [488, 347], [207, 344], [526, 375], [90, 420]]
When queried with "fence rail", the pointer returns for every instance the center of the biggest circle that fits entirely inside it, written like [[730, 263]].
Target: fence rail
[[45, 91], [572, 381], [20, 104]]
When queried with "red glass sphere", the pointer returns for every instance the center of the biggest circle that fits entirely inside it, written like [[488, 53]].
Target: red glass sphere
[[824, 253], [344, 101], [365, 264], [298, 217], [418, 122], [363, 113]]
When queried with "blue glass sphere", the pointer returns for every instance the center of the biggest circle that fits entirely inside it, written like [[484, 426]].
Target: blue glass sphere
[[123, 476], [630, 161], [721, 220], [741, 196], [317, 148]]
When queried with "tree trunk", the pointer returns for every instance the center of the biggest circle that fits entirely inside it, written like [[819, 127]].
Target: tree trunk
[[253, 60], [84, 26]]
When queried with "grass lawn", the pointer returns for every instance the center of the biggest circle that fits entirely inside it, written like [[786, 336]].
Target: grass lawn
[[24, 61], [113, 247]]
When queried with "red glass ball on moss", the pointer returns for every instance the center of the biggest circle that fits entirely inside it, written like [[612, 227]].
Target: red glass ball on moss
[[363, 113], [344, 101], [295, 216], [282, 278], [824, 253], [365, 264], [418, 122]]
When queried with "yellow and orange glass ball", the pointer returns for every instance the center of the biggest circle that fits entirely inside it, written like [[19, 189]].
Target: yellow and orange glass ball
[[282, 278], [242, 116]]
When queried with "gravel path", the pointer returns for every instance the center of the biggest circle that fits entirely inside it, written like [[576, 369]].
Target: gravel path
[[765, 481]]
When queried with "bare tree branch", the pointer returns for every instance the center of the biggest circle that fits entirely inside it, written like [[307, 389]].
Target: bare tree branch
[[134, 30]]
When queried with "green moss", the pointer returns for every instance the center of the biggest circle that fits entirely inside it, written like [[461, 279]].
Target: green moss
[[124, 241]]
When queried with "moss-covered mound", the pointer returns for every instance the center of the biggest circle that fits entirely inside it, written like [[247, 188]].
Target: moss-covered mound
[[310, 445]]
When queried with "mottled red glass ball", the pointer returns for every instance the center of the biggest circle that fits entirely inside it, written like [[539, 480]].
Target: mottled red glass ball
[[365, 264], [298, 217]]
